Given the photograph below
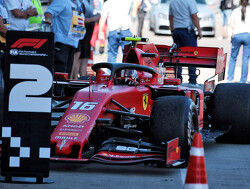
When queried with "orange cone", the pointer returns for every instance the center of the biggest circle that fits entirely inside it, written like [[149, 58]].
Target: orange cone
[[196, 177]]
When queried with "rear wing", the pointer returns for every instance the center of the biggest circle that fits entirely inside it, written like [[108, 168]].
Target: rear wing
[[171, 57], [206, 57]]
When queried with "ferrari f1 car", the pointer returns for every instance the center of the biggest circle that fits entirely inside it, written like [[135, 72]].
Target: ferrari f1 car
[[134, 111]]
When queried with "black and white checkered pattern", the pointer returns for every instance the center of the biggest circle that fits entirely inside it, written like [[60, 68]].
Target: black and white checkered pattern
[[15, 142]]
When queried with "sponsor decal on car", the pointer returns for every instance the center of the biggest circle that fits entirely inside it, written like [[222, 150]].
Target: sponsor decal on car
[[74, 126], [77, 118], [131, 149], [63, 138], [196, 52], [145, 101], [71, 130], [66, 138], [145, 80], [68, 134]]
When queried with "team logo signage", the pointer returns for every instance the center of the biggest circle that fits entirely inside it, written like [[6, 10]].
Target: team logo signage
[[145, 101], [27, 111], [35, 44], [29, 42]]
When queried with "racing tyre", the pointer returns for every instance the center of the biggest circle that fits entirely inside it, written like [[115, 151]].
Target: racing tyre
[[171, 117], [231, 109]]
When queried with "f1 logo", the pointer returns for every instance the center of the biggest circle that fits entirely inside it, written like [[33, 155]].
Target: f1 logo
[[27, 42]]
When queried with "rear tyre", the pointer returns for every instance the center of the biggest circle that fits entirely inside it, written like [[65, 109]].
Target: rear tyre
[[231, 108], [171, 117]]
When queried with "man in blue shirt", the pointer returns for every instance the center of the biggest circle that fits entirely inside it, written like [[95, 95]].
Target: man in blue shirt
[[60, 14], [83, 53], [183, 19]]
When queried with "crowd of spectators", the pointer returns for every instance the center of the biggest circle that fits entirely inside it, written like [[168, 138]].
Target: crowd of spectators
[[78, 24]]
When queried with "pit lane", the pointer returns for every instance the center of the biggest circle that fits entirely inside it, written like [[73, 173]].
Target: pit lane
[[227, 165]]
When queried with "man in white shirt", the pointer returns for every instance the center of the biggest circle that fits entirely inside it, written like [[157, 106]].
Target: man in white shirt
[[117, 13], [19, 13]]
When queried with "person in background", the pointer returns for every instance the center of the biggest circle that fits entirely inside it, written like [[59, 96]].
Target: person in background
[[240, 24], [98, 4], [35, 21], [117, 14], [67, 20], [83, 53], [19, 13], [226, 7], [134, 10], [3, 28], [3, 31], [142, 7], [183, 19], [4, 24]]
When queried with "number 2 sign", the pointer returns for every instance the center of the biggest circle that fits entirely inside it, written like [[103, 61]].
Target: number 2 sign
[[27, 109], [24, 96]]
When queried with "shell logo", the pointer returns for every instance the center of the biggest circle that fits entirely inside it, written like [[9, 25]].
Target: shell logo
[[104, 154], [77, 118], [196, 52]]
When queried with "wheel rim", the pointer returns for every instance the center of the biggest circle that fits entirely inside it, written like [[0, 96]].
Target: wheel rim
[[191, 128]]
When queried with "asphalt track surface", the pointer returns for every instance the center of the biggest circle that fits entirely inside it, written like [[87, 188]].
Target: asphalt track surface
[[227, 165]]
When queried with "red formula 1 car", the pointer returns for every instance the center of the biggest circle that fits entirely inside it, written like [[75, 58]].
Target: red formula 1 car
[[135, 113]]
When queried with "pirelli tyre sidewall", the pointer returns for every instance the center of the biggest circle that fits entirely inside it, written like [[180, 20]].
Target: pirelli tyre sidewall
[[231, 108], [171, 117]]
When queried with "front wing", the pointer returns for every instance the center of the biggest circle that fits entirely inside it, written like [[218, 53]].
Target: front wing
[[126, 151]]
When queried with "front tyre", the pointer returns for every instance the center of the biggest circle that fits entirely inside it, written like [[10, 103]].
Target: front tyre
[[171, 117]]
